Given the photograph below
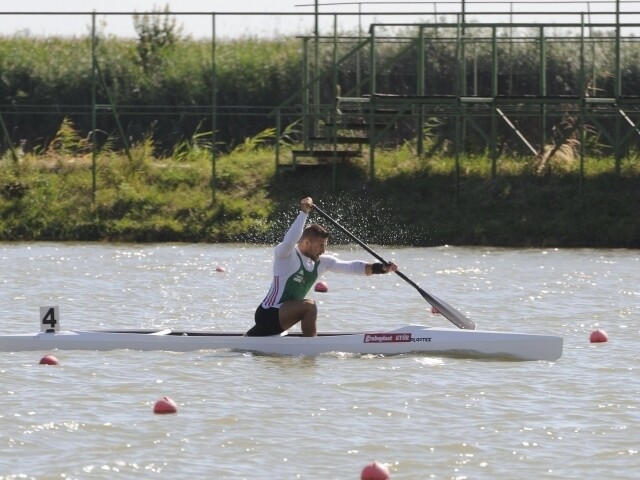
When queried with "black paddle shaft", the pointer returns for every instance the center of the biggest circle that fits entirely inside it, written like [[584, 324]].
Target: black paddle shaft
[[450, 313]]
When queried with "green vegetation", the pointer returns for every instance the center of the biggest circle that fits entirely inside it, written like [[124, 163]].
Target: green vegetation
[[161, 81], [161, 86], [411, 201], [161, 189]]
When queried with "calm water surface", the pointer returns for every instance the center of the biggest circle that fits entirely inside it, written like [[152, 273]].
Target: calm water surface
[[244, 416]]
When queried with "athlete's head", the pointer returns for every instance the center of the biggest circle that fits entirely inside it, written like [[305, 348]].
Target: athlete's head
[[313, 241]]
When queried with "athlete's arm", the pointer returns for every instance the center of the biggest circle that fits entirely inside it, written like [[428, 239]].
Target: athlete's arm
[[333, 264], [355, 267], [292, 236]]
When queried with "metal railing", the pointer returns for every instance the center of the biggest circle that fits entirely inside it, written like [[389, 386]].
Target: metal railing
[[468, 26]]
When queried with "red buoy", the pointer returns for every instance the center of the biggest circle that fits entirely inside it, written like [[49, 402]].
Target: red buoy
[[221, 269], [322, 287], [598, 336], [375, 471], [49, 360], [165, 405], [434, 310]]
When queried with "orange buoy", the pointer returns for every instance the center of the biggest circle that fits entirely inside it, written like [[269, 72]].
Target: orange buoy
[[165, 405], [598, 336], [49, 360], [375, 471], [322, 287]]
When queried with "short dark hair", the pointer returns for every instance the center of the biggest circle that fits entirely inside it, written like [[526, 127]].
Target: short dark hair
[[315, 231]]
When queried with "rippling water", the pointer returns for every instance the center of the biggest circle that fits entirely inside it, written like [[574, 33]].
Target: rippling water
[[244, 416]]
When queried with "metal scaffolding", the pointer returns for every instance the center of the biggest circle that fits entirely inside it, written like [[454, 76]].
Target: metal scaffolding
[[357, 94], [360, 108]]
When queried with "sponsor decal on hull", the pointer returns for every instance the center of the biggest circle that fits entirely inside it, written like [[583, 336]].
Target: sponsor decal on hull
[[387, 337], [393, 338]]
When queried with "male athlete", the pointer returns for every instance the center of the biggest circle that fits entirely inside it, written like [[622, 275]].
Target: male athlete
[[299, 261]]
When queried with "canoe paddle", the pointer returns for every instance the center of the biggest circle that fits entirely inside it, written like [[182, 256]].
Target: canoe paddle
[[450, 313]]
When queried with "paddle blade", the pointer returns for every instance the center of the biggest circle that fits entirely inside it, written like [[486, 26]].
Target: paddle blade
[[447, 311], [450, 313]]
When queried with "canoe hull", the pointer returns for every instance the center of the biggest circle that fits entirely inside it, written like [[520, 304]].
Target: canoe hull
[[409, 339]]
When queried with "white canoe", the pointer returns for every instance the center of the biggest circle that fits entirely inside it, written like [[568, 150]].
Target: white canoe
[[408, 339]]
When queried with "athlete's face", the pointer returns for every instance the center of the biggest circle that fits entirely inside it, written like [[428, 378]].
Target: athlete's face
[[313, 248]]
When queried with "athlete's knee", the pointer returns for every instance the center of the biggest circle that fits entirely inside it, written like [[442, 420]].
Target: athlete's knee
[[310, 306]]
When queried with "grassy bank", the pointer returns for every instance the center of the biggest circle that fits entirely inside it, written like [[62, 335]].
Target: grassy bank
[[411, 201]]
